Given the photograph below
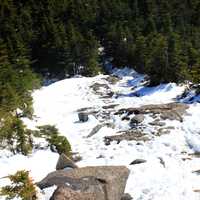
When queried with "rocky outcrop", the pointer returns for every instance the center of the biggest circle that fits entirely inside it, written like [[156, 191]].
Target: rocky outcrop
[[138, 161], [171, 111], [128, 136], [102, 89], [99, 183], [95, 130]]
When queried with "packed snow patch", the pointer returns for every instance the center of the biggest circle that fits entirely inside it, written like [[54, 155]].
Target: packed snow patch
[[167, 174]]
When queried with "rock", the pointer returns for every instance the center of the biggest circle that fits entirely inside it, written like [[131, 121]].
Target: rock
[[164, 131], [106, 142], [171, 111], [89, 189], [196, 172], [112, 177], [98, 86], [64, 162], [100, 156], [128, 136], [138, 161], [137, 119], [157, 123], [126, 196], [125, 118], [110, 125], [112, 79], [95, 130], [162, 162], [111, 106], [65, 193], [171, 116], [83, 117], [99, 126]]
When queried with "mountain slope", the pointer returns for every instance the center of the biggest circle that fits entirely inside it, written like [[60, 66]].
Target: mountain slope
[[167, 172]]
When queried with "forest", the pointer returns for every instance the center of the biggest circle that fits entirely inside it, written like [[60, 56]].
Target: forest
[[62, 38]]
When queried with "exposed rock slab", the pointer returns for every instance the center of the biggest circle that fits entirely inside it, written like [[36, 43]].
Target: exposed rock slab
[[112, 178], [171, 111], [128, 136], [89, 189]]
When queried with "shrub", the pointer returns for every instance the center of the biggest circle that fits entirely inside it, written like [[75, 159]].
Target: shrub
[[21, 187], [13, 134], [57, 142]]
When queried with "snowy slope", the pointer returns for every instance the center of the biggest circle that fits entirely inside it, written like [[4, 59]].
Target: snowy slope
[[58, 103]]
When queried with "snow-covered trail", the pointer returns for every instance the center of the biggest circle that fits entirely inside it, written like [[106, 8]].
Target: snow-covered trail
[[58, 103]]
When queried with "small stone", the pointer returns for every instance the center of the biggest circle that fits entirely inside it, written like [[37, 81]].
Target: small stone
[[157, 123], [137, 119], [162, 162], [126, 196], [138, 161], [107, 142], [100, 156]]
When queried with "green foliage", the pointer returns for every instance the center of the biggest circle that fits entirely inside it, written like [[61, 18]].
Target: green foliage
[[21, 187], [63, 37], [15, 136], [57, 142]]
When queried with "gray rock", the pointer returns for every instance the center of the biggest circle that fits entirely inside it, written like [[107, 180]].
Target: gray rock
[[111, 106], [83, 117], [128, 136], [126, 196], [172, 111], [196, 172], [157, 123], [95, 130], [112, 177], [137, 119], [171, 116], [162, 162], [138, 161], [65, 193], [89, 188], [107, 142], [64, 162]]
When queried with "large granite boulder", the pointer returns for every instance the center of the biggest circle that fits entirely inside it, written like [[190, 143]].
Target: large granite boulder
[[86, 188], [111, 178]]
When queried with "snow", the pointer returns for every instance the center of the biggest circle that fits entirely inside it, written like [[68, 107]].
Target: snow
[[57, 104]]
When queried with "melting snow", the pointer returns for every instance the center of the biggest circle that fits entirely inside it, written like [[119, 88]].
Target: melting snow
[[57, 104]]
